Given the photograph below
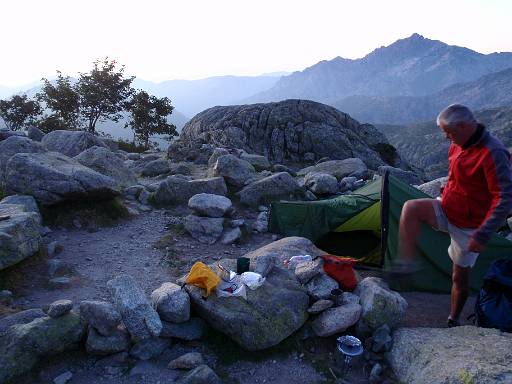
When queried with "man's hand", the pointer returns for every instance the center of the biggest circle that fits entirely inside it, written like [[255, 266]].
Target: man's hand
[[475, 246]]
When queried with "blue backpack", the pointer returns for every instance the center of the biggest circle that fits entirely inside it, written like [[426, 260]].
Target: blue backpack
[[493, 307]]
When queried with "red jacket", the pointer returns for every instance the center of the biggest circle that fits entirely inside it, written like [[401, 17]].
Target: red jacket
[[479, 189]]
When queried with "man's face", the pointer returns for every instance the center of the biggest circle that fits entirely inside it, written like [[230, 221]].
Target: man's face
[[455, 133]]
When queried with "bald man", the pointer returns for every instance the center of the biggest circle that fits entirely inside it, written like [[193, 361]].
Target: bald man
[[474, 203]]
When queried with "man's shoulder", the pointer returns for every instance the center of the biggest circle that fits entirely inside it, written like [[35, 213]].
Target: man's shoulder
[[493, 144]]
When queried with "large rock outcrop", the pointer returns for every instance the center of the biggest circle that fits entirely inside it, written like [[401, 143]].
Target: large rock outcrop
[[71, 143], [290, 130], [52, 178], [451, 355], [272, 312]]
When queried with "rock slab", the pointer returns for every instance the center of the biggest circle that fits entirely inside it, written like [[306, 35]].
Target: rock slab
[[451, 355], [102, 316], [280, 185], [206, 204], [207, 230], [107, 163], [71, 143], [380, 305], [176, 190], [52, 178], [23, 345], [272, 312], [171, 302], [139, 317], [336, 320], [19, 234]]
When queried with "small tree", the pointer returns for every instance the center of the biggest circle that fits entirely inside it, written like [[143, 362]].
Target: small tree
[[103, 93], [148, 117], [19, 111], [63, 100]]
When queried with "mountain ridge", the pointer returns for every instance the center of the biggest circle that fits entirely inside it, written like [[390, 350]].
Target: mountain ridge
[[414, 66]]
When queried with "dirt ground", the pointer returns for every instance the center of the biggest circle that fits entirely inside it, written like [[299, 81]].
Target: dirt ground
[[153, 248]]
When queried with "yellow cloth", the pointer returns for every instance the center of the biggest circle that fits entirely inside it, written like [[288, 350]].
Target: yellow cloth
[[202, 276]]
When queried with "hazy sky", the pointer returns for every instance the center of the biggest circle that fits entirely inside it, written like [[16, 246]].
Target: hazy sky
[[190, 39]]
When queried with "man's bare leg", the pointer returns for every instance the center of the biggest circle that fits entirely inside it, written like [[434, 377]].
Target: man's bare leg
[[460, 290], [414, 213]]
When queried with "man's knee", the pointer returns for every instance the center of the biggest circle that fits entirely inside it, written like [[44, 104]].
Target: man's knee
[[420, 210], [410, 210]]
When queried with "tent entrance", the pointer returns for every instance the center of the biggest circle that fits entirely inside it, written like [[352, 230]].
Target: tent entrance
[[358, 237], [363, 245]]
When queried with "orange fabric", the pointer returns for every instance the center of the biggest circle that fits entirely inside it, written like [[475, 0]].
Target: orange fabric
[[341, 269], [202, 276]]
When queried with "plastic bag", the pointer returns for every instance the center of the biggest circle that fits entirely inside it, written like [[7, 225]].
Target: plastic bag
[[202, 276], [292, 262], [341, 269], [232, 288], [252, 280]]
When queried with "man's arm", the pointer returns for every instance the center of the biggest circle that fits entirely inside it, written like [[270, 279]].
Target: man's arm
[[499, 181]]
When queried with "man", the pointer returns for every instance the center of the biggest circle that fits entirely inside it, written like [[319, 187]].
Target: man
[[474, 203]]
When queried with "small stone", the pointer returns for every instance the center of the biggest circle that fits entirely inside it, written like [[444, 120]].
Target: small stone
[[63, 378], [231, 236], [6, 297], [171, 302], [348, 297], [261, 223], [148, 348], [45, 231], [210, 205], [320, 286], [262, 208], [320, 306], [144, 196], [101, 315], [53, 249], [336, 320], [60, 282], [310, 196], [59, 308], [381, 339], [304, 272], [187, 361], [194, 329], [375, 373], [200, 375], [97, 344], [236, 223], [59, 268]]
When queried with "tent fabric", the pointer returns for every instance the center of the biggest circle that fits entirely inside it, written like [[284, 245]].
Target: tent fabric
[[367, 219], [313, 219], [316, 219]]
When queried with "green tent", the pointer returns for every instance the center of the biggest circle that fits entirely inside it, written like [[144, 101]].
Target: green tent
[[364, 225]]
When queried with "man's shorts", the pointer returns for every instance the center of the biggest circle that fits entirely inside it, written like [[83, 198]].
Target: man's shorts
[[460, 238]]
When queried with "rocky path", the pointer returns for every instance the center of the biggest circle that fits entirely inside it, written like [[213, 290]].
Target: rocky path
[[152, 248]]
